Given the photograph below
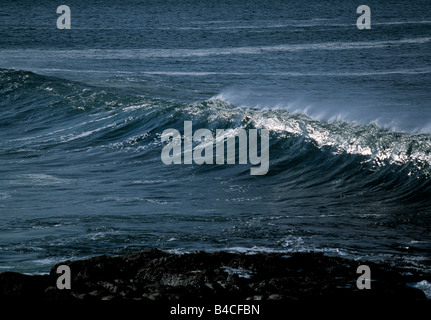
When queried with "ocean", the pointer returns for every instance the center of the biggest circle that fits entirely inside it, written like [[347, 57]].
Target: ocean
[[82, 112]]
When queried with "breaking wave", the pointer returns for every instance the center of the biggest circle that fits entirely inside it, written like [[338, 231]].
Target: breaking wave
[[43, 115]]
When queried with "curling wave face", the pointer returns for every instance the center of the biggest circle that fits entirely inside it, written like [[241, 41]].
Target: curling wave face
[[46, 115]]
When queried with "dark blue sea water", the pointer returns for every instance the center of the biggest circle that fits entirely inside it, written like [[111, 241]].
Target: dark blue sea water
[[82, 112]]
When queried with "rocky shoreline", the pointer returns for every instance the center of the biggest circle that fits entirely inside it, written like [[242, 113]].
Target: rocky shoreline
[[155, 275]]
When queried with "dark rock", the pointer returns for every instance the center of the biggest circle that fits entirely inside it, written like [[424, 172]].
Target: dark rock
[[155, 275], [18, 285]]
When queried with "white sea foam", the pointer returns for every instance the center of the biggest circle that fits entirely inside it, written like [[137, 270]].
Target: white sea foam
[[242, 273], [136, 107], [425, 286], [205, 52], [4, 195], [46, 261], [39, 179], [73, 136]]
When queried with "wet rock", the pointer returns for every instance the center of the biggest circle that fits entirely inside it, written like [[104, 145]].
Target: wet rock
[[155, 275]]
